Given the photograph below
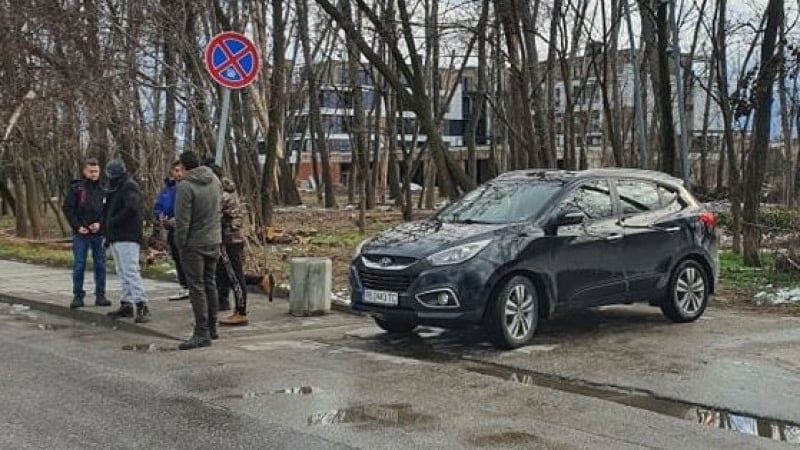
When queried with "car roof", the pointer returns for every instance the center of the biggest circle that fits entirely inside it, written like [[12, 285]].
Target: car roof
[[570, 175]]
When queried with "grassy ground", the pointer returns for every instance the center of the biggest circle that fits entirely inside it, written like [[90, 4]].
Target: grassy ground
[[740, 284]]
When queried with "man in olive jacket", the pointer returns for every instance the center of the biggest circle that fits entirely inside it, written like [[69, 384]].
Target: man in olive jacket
[[198, 236]]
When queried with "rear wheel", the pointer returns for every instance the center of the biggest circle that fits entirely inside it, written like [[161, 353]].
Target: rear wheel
[[395, 326], [687, 293], [514, 314]]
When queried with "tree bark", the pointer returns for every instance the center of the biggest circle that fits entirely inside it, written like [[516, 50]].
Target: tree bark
[[757, 160]]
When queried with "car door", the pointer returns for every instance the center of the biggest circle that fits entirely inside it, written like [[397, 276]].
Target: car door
[[653, 234], [587, 258]]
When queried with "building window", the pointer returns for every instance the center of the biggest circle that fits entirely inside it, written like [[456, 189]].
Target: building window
[[557, 97]]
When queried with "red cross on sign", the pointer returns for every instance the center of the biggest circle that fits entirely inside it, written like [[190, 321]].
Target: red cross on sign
[[232, 60]]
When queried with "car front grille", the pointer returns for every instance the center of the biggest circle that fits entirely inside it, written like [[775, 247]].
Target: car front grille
[[384, 280]]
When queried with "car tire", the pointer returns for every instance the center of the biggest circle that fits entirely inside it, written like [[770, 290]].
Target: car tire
[[687, 292], [514, 314], [395, 326]]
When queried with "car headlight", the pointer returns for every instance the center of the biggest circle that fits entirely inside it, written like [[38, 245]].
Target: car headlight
[[458, 254], [357, 253]]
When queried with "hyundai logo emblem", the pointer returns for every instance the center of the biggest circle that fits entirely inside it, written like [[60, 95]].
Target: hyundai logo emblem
[[385, 261]]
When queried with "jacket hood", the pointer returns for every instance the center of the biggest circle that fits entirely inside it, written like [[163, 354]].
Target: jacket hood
[[201, 175], [228, 185]]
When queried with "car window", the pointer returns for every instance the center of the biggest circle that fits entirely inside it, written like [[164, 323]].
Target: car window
[[637, 196], [671, 199], [592, 199], [501, 202]]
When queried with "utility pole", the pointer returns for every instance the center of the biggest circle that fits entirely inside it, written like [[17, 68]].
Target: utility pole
[[676, 53], [641, 123]]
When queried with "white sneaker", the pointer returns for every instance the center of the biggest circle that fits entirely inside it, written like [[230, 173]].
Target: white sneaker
[[182, 294]]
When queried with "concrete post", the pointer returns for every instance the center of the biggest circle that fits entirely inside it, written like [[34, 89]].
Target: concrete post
[[310, 283]]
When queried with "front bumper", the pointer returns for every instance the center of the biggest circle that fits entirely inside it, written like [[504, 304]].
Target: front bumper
[[466, 281]]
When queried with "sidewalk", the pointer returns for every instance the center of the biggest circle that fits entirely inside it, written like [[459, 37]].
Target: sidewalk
[[50, 290]]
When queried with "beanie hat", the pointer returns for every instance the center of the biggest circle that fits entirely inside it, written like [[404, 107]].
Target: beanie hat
[[115, 169]]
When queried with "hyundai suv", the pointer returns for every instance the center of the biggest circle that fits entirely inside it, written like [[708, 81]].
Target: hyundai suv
[[535, 243]]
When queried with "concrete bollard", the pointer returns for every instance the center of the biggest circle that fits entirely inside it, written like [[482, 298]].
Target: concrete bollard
[[310, 284]]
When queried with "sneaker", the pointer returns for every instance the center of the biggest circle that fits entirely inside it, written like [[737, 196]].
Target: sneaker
[[125, 310], [101, 300], [142, 313], [182, 294], [77, 302], [195, 342], [234, 319]]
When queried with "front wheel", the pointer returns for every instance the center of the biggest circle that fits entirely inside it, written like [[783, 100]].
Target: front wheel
[[687, 293], [514, 314], [394, 326]]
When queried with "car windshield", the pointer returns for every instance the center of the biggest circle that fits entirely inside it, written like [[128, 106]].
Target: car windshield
[[501, 202]]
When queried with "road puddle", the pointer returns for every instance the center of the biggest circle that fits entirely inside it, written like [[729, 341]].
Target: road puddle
[[706, 416], [300, 390], [148, 348], [399, 414]]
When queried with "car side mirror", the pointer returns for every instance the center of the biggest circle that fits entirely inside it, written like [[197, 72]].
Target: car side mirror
[[568, 217]]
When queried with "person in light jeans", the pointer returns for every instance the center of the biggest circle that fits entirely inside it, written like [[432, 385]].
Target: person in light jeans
[[123, 225]]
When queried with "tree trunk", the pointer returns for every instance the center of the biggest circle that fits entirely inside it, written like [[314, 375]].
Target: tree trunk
[[757, 160], [319, 143], [665, 90]]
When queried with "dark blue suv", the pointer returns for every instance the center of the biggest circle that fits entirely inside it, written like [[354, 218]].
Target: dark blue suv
[[530, 244]]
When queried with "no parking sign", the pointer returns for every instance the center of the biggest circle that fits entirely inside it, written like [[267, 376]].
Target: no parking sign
[[232, 60]]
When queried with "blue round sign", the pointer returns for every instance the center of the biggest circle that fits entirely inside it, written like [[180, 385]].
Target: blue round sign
[[232, 60]]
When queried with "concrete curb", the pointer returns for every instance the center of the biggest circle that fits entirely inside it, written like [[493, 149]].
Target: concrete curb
[[86, 316]]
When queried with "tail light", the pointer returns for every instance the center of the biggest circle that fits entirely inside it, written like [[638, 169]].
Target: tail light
[[709, 219]]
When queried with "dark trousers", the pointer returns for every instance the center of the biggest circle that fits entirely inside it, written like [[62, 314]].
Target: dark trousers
[[225, 284], [176, 256], [81, 243], [199, 265]]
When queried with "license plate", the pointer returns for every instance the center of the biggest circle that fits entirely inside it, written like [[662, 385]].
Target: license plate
[[380, 297]]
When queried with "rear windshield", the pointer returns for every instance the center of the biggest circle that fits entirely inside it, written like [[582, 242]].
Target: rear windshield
[[501, 202]]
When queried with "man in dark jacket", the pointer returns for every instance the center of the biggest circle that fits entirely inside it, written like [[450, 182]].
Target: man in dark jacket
[[124, 235], [164, 214], [198, 235], [83, 207]]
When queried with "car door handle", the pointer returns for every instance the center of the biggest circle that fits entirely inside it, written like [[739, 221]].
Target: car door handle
[[614, 237], [671, 229]]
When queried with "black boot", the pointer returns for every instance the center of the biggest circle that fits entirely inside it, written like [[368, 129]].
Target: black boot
[[101, 300], [125, 310], [195, 342], [77, 301], [212, 328], [142, 313]]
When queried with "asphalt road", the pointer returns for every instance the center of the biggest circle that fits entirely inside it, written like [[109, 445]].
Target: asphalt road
[[65, 385]]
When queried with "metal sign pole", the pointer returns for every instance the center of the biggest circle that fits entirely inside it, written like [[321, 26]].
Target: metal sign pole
[[223, 125]]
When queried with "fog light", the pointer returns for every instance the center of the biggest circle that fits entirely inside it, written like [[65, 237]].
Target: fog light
[[439, 298]]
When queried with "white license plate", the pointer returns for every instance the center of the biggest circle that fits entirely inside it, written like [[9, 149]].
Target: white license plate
[[380, 297]]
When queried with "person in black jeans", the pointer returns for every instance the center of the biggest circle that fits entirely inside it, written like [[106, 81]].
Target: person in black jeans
[[164, 215], [198, 235], [233, 214], [83, 207]]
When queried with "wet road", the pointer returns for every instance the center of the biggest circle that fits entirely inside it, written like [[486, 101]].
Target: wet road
[[66, 385]]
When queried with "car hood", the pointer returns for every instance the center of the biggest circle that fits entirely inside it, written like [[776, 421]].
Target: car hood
[[421, 239]]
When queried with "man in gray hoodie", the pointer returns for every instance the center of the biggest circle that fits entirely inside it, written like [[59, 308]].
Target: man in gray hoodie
[[198, 235]]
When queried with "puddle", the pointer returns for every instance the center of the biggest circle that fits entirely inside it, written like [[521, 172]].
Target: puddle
[[398, 414], [709, 417], [148, 348], [51, 326], [506, 439], [302, 390]]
